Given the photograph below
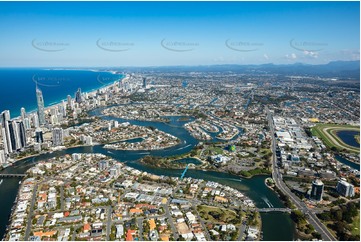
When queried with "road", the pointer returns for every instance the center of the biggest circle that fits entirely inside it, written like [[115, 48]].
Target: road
[[205, 230], [62, 202], [312, 218], [170, 220], [30, 215], [109, 221], [242, 231], [140, 227]]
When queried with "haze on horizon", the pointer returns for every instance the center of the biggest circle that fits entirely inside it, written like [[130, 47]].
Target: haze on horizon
[[78, 34]]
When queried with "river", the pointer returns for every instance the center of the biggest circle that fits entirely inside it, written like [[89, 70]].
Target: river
[[347, 162], [254, 188]]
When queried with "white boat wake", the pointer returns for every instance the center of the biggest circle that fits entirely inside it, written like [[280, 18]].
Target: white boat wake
[[146, 153], [181, 148], [269, 204]]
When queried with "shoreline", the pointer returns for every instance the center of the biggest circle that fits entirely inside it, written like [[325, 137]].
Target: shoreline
[[91, 91]]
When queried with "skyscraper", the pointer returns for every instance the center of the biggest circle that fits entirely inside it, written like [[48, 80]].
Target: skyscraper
[[35, 120], [5, 118], [58, 137], [317, 190], [78, 97], [144, 83], [39, 136], [2, 157], [69, 102], [27, 123], [17, 135], [40, 101], [21, 133], [23, 113]]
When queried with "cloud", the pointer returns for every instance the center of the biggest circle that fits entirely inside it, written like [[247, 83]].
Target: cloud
[[311, 54], [292, 56]]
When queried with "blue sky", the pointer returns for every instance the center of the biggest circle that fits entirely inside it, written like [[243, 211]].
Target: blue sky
[[177, 33]]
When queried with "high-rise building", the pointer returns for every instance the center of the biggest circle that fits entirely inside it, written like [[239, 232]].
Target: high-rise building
[[103, 165], [58, 137], [317, 190], [345, 189], [78, 97], [40, 102], [144, 83], [27, 123], [22, 133], [17, 135], [69, 102], [35, 120], [5, 119], [39, 136], [2, 157], [62, 109], [23, 113]]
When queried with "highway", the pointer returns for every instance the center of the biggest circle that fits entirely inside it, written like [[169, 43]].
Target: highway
[[312, 218]]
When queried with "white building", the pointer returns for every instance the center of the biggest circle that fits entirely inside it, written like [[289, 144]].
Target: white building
[[345, 189]]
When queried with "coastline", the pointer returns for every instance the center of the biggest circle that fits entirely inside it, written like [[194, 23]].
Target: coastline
[[49, 107], [88, 91]]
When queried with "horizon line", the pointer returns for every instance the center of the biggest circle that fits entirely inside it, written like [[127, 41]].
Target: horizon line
[[224, 64]]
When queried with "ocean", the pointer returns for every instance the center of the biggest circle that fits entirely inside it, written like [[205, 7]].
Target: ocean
[[17, 85]]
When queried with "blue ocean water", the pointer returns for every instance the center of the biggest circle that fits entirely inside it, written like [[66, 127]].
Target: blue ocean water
[[17, 86]]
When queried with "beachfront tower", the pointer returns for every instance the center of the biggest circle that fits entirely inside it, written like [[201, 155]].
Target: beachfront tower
[[78, 98], [40, 102], [23, 113]]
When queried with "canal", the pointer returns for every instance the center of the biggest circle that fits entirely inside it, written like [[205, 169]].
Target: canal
[[254, 188]]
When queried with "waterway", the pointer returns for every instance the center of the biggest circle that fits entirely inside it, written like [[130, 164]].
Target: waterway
[[277, 226], [348, 137], [347, 162]]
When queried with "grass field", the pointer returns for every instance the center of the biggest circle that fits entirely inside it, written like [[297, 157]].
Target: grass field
[[356, 225], [217, 215], [327, 133], [215, 149]]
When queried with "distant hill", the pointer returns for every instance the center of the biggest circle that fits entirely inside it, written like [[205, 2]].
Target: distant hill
[[340, 69]]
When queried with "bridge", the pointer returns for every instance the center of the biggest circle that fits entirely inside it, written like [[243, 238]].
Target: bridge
[[11, 175], [266, 210], [184, 172]]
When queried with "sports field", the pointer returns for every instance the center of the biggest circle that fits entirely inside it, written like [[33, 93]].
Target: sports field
[[328, 134]]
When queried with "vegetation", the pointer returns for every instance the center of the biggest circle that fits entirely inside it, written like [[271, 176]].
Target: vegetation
[[344, 220], [302, 225], [254, 172], [218, 215], [285, 199]]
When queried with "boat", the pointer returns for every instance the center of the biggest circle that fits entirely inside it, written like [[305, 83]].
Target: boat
[[1, 181], [19, 182]]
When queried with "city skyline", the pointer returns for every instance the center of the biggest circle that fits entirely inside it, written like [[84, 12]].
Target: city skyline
[[45, 34]]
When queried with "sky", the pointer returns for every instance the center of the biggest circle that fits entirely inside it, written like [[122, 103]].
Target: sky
[[99, 34]]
